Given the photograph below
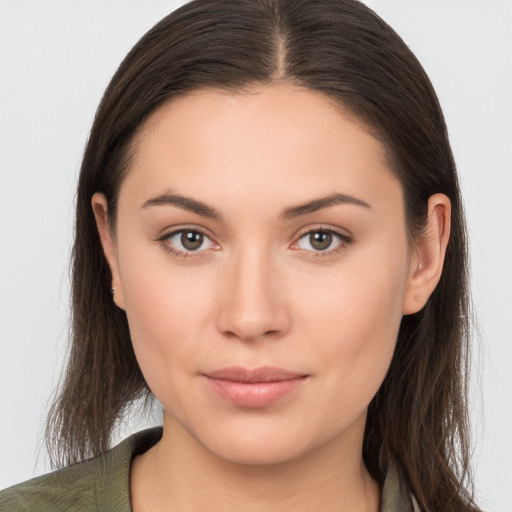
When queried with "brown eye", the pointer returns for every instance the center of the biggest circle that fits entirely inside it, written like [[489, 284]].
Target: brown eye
[[320, 240], [184, 242], [191, 240]]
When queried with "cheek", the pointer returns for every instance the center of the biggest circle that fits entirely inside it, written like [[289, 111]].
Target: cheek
[[168, 309], [353, 321]]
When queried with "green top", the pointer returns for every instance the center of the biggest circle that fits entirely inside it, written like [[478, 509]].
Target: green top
[[103, 484]]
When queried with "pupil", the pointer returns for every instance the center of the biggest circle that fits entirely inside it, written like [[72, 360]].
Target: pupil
[[191, 240], [321, 240]]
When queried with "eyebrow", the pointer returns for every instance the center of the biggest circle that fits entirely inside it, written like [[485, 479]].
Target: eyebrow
[[320, 203], [183, 202], [204, 210]]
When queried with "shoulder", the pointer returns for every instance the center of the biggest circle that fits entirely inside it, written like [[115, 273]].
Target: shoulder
[[61, 490], [101, 483]]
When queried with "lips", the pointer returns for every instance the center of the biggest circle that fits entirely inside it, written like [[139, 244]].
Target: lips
[[252, 388]]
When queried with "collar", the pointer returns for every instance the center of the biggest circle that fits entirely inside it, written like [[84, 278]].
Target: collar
[[396, 496]]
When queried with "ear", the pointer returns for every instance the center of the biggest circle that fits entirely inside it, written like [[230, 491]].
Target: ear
[[428, 256], [100, 208]]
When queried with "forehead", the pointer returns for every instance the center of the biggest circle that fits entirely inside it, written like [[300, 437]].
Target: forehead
[[281, 136], [261, 106]]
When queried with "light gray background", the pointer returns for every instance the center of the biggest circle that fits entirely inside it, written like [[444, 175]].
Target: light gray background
[[56, 57]]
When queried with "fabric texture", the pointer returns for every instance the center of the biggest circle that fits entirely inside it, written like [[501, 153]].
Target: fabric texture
[[103, 484], [98, 484]]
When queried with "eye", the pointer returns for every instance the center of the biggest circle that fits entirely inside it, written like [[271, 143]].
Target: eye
[[322, 240], [186, 241]]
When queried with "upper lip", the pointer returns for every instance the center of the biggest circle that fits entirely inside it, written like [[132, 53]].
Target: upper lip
[[261, 374]]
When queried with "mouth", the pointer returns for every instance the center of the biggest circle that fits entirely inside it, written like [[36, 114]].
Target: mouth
[[253, 388]]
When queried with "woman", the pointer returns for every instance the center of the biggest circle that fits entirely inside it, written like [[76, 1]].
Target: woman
[[269, 240]]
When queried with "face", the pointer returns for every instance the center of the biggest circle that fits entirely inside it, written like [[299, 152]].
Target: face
[[261, 231]]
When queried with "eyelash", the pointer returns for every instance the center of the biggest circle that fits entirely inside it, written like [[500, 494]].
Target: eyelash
[[182, 254], [343, 242], [343, 239]]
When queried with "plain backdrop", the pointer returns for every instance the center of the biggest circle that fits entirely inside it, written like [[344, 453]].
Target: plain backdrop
[[57, 56]]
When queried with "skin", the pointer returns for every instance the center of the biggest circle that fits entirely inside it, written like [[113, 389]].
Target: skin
[[258, 292]]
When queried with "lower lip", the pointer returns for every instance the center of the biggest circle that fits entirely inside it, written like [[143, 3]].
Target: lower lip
[[254, 394]]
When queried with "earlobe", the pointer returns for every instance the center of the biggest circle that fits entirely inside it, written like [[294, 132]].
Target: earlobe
[[100, 208], [428, 257]]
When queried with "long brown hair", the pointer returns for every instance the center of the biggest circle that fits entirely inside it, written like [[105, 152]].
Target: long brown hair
[[418, 419]]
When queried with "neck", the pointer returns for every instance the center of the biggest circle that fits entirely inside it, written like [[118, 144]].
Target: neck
[[180, 474]]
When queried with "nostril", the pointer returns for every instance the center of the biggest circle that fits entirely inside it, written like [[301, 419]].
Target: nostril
[[251, 335], [250, 308]]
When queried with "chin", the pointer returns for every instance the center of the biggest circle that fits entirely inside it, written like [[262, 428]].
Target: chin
[[256, 453], [259, 443]]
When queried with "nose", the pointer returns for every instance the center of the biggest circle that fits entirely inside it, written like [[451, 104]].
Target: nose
[[253, 304]]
